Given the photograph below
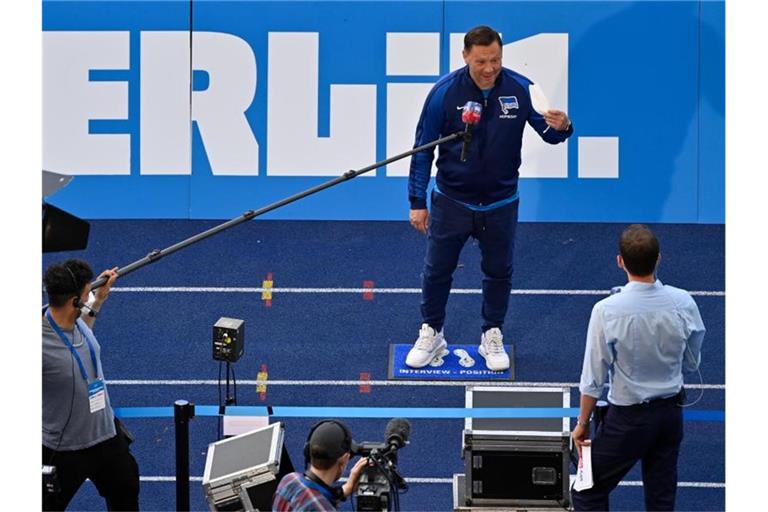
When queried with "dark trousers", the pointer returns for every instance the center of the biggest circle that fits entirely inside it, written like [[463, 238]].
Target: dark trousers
[[650, 433], [450, 225], [109, 465]]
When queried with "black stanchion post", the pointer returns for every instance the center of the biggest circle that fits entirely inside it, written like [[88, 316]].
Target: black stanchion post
[[183, 411]]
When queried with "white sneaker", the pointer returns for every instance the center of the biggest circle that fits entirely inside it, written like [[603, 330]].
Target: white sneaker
[[492, 349], [429, 344]]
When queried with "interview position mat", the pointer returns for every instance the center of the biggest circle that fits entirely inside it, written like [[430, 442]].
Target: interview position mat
[[457, 362]]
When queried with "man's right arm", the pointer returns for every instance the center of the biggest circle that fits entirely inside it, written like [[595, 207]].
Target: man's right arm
[[354, 476], [419, 219], [100, 295], [597, 356], [580, 434], [593, 375], [427, 130]]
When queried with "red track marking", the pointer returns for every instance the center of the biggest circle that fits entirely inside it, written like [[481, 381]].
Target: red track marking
[[368, 295], [365, 388]]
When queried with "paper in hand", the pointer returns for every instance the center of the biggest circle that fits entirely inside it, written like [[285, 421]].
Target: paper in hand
[[584, 474], [539, 101]]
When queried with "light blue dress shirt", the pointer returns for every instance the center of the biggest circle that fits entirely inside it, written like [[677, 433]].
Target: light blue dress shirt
[[642, 339]]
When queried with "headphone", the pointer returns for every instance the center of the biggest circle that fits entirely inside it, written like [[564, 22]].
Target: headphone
[[337, 492], [76, 302]]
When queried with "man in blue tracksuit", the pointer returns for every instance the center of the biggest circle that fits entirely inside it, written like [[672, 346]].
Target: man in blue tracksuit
[[477, 197]]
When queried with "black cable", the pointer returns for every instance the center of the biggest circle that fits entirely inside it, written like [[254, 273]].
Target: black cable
[[395, 497], [219, 384], [219, 419], [701, 378], [234, 383], [395, 490], [72, 396]]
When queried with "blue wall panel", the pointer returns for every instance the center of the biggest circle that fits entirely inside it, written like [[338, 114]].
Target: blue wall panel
[[134, 195], [650, 74], [712, 113]]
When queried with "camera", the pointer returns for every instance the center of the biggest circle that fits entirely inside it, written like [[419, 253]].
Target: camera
[[380, 483]]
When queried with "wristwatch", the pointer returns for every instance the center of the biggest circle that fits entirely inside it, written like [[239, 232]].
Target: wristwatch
[[582, 423]]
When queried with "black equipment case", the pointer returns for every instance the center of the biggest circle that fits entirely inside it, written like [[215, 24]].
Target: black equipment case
[[522, 463]]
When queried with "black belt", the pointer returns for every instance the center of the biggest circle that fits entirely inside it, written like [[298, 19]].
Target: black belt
[[656, 402]]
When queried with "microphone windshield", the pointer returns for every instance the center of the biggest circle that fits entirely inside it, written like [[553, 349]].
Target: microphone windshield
[[471, 112], [398, 431]]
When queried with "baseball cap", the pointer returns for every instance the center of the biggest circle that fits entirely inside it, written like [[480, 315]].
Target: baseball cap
[[330, 440]]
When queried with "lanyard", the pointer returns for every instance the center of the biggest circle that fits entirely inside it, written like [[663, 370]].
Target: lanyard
[[66, 341], [325, 492]]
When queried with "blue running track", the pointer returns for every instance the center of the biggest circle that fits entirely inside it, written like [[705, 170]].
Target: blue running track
[[319, 332]]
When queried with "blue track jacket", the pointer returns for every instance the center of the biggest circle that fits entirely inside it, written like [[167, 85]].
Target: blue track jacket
[[490, 173]]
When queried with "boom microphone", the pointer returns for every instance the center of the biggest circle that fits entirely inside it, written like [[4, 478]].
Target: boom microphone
[[397, 433], [91, 311], [88, 305], [470, 116]]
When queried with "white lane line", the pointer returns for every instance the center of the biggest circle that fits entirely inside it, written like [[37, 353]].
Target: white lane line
[[695, 485], [167, 478], [458, 291], [213, 382], [629, 483]]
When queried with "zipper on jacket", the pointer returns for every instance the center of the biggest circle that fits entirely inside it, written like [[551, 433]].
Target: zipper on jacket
[[483, 119]]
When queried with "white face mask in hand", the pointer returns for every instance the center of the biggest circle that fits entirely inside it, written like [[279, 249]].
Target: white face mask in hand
[[538, 99]]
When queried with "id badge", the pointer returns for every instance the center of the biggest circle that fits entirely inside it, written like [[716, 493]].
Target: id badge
[[97, 395]]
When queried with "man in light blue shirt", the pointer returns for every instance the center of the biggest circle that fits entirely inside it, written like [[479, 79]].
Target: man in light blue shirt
[[642, 340]]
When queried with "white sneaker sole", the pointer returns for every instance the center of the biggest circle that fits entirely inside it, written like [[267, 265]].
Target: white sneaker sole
[[438, 359], [482, 352]]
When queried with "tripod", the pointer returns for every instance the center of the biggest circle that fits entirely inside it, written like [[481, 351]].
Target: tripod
[[229, 399]]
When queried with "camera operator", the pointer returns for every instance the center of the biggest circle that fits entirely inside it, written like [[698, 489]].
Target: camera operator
[[81, 436], [327, 451]]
